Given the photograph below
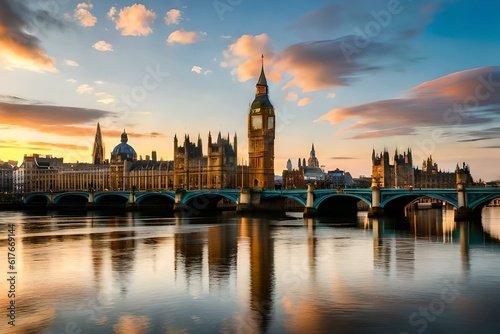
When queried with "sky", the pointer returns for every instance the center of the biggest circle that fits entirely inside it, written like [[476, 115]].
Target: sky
[[349, 76]]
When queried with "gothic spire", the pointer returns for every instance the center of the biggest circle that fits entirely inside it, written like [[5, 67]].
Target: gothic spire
[[98, 151]]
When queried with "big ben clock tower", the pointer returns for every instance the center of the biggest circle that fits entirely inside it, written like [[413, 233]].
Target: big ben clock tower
[[261, 130]]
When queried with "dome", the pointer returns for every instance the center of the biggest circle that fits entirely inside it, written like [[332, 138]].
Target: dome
[[124, 150]]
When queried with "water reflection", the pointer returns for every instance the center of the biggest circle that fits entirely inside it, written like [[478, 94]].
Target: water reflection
[[256, 231], [133, 273]]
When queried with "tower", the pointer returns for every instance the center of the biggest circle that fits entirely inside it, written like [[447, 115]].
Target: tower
[[312, 161], [261, 133], [98, 151]]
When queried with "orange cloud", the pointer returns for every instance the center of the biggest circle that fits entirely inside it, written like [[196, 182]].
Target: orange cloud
[[304, 101], [19, 49], [183, 37], [103, 46], [312, 66], [173, 16], [134, 20], [83, 15], [464, 98], [244, 56]]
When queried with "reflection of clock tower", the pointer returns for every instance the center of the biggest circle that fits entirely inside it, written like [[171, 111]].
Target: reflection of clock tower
[[261, 128]]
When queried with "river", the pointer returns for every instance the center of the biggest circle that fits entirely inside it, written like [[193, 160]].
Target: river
[[134, 273]]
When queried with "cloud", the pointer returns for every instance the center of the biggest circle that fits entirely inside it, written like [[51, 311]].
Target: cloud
[[99, 82], [196, 69], [68, 62], [304, 101], [71, 80], [291, 96], [83, 15], [112, 14], [18, 48], [107, 100], [331, 95], [173, 16], [183, 37], [357, 15], [103, 46], [312, 66], [84, 89], [44, 117], [134, 20], [207, 72], [461, 99], [244, 56]]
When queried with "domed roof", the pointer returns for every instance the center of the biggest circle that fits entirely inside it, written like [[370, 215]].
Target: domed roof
[[124, 150]]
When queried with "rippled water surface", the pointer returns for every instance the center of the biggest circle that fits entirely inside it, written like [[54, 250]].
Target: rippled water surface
[[139, 274]]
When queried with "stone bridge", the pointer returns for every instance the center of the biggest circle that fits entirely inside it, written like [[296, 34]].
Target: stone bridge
[[381, 201]]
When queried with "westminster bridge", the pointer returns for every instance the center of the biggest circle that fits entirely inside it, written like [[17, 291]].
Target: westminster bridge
[[381, 201]]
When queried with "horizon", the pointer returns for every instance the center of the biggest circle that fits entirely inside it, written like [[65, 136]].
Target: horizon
[[348, 76]]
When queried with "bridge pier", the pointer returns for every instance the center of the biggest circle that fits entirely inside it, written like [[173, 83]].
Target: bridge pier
[[132, 204], [463, 212], [250, 202], [51, 204], [91, 204], [375, 210], [178, 205], [310, 211]]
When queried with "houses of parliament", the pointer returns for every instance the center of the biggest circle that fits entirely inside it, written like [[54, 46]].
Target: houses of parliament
[[190, 169]]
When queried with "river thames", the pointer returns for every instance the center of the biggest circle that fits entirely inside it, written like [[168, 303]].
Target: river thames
[[98, 273]]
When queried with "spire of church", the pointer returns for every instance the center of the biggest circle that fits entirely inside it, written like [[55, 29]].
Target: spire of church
[[124, 138], [98, 151], [261, 85]]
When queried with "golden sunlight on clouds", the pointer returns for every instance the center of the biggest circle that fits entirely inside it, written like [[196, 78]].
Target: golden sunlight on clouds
[[183, 37], [173, 16], [18, 48], [83, 15], [304, 101], [244, 56], [134, 20], [84, 89], [14, 53], [103, 46]]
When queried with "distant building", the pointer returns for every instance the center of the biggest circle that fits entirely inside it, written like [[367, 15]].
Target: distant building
[[7, 176], [402, 174], [339, 179], [312, 173]]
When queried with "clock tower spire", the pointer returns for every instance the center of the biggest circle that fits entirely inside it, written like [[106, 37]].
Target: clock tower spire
[[261, 134]]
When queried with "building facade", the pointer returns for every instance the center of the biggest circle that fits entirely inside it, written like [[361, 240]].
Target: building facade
[[7, 176], [261, 134], [402, 174], [216, 170]]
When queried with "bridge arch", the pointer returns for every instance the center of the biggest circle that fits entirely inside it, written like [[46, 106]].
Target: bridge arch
[[478, 202], [37, 198], [111, 198], [339, 203], [71, 197], [207, 200], [156, 199], [395, 204]]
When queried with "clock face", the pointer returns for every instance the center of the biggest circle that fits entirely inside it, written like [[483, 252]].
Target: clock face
[[270, 122], [256, 122], [254, 110]]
